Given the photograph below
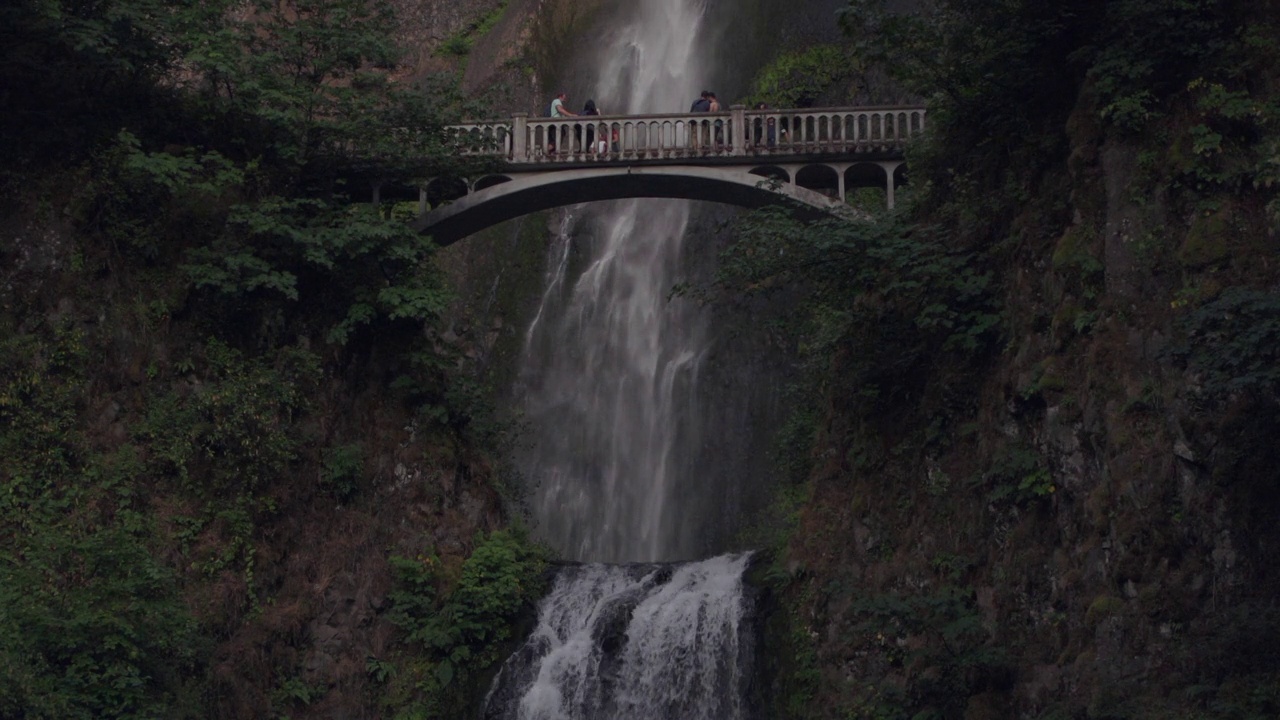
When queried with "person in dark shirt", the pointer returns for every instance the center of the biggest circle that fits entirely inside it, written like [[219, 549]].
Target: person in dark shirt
[[701, 105], [587, 110]]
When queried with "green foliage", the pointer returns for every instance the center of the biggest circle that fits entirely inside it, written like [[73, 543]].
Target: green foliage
[[464, 631], [882, 298], [235, 425], [1233, 143], [358, 267], [343, 467], [459, 44], [938, 640], [799, 78], [74, 72], [222, 138], [90, 626], [1003, 58], [803, 676], [1019, 475], [1146, 50], [793, 444], [90, 623], [138, 200], [40, 391], [1232, 344]]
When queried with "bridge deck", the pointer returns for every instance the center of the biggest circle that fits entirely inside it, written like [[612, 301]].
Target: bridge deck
[[703, 138]]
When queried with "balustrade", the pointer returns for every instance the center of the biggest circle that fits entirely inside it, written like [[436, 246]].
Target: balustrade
[[736, 133]]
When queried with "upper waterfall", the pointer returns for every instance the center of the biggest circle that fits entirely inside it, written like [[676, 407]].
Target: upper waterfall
[[611, 363]]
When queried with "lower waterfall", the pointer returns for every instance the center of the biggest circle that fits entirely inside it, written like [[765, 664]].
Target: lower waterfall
[[635, 642]]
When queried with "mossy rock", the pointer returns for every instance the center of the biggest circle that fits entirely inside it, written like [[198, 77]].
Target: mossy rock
[[1208, 241], [1073, 249], [1103, 607]]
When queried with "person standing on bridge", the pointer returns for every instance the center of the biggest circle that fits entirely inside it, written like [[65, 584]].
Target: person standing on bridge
[[714, 106], [558, 110], [701, 105], [588, 110], [770, 127]]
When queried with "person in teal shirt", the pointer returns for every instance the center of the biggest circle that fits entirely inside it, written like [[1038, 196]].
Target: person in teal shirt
[[558, 110]]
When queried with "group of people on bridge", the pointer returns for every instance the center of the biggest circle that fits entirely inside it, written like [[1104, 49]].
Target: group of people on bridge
[[707, 102], [558, 110]]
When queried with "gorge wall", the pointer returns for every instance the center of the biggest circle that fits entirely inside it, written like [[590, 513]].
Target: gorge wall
[[1073, 517]]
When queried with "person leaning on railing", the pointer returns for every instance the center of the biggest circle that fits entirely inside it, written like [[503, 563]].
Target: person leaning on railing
[[558, 110]]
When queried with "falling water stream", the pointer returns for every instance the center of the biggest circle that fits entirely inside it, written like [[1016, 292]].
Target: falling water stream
[[609, 387]]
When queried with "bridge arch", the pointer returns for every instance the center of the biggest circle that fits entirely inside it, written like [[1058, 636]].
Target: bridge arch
[[819, 178], [445, 189], [489, 181], [534, 192], [773, 172]]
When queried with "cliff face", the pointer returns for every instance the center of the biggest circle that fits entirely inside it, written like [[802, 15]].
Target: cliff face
[[226, 506], [1080, 522], [1083, 522]]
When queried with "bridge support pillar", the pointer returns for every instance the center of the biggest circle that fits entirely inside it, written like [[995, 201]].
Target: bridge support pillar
[[520, 137], [840, 190], [738, 129], [890, 169], [423, 207]]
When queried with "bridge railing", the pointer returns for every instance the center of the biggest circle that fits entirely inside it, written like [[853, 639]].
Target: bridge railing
[[739, 132]]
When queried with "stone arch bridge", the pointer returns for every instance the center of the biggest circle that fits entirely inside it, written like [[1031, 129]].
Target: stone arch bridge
[[807, 159]]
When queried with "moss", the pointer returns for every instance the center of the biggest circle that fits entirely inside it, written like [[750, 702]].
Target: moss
[[557, 20], [987, 706], [460, 43], [1208, 242], [1103, 607], [1073, 248]]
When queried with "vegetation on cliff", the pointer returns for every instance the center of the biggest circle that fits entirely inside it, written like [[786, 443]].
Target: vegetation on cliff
[[1042, 482], [226, 412]]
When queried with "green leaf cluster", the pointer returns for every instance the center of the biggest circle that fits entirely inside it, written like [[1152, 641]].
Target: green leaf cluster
[[1231, 345], [937, 640], [1018, 475], [460, 43], [884, 298], [464, 631], [800, 78], [91, 623], [240, 412]]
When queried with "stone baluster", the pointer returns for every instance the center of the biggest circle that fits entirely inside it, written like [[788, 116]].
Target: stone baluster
[[738, 129]]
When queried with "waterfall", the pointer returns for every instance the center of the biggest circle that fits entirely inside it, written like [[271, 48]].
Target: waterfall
[[634, 642], [615, 458], [611, 367]]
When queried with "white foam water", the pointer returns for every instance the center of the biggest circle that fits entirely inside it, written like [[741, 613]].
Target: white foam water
[[633, 642]]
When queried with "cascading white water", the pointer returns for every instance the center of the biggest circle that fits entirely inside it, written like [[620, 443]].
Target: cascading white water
[[633, 642], [609, 388], [611, 365]]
